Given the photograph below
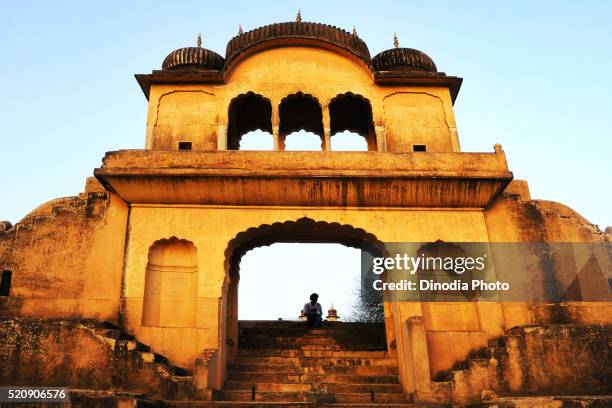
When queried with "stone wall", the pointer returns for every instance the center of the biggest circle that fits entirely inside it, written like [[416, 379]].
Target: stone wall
[[515, 217], [558, 360], [66, 258], [83, 354]]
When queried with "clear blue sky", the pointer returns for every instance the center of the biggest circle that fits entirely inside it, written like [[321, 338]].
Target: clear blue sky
[[536, 79]]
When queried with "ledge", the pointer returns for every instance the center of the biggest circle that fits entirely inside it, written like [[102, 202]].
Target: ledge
[[394, 77], [370, 179]]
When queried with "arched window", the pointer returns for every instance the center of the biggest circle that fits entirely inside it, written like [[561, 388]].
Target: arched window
[[249, 112], [349, 141], [256, 140], [171, 281], [351, 124], [302, 118], [302, 140]]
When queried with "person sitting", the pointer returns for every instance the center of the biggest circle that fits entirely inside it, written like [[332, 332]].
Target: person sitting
[[313, 311]]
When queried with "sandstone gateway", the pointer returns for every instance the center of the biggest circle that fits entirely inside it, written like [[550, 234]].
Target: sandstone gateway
[[128, 291]]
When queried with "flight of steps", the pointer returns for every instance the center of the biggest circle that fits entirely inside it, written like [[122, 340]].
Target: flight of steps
[[539, 355], [155, 376], [476, 377], [284, 362]]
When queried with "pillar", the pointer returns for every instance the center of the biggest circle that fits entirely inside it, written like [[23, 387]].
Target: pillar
[[222, 137], [275, 127], [326, 130]]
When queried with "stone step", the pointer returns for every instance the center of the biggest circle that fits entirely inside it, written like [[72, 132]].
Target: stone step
[[335, 388], [595, 401], [339, 398], [366, 398], [281, 347], [311, 353], [294, 332], [282, 390], [318, 361], [181, 387], [498, 342], [267, 387], [235, 404], [261, 396], [382, 405], [313, 369], [307, 339], [310, 378]]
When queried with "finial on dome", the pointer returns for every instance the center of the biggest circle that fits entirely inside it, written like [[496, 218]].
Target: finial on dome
[[240, 30], [298, 17], [199, 40], [354, 31], [395, 40]]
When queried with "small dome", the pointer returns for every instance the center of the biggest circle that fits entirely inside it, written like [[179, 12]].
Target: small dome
[[193, 57], [405, 59]]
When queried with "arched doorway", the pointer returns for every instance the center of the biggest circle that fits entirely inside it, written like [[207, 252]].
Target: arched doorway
[[351, 117], [304, 230], [248, 113], [300, 116]]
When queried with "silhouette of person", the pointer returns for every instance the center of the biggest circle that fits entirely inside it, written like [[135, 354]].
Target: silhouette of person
[[313, 311]]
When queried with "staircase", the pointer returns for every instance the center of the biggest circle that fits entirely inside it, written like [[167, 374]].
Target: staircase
[[141, 369], [119, 363], [552, 360], [339, 365]]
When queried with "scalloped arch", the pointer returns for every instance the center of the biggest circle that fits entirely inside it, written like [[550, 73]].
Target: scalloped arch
[[304, 230]]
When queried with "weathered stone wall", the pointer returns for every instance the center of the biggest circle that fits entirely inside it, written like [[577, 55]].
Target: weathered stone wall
[[549, 359], [515, 217], [80, 354], [66, 258], [558, 360], [185, 116]]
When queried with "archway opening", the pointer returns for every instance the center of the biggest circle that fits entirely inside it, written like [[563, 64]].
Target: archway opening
[[285, 262], [349, 142], [257, 140], [302, 141], [351, 115], [300, 115], [248, 112], [292, 271]]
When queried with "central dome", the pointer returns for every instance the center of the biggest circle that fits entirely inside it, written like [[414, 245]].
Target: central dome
[[308, 32]]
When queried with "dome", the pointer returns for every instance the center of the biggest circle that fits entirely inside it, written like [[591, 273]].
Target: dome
[[405, 59], [193, 57], [307, 32]]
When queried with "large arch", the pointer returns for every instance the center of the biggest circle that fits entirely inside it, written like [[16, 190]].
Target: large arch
[[297, 112], [353, 113], [247, 112], [303, 230]]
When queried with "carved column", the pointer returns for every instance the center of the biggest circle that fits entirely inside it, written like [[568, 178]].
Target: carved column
[[222, 137], [275, 126], [326, 130]]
